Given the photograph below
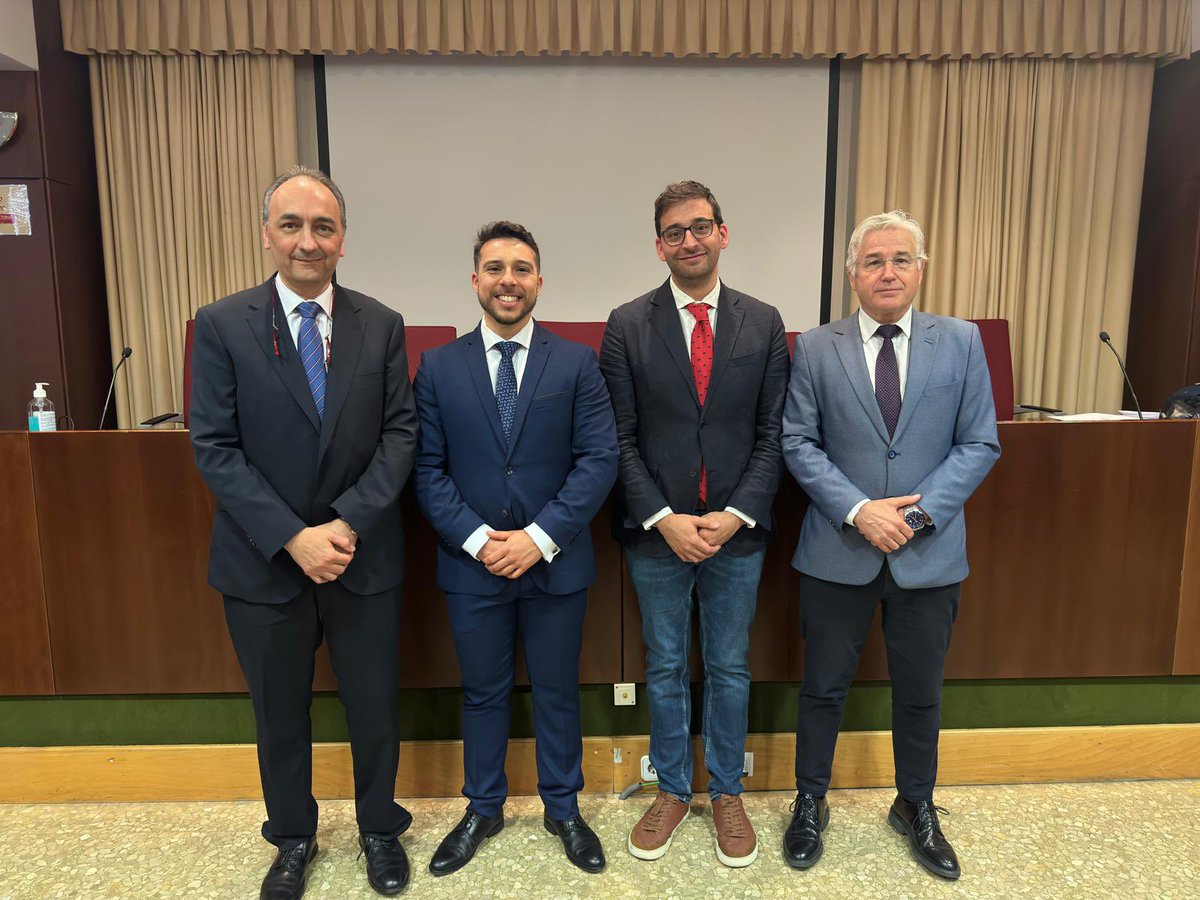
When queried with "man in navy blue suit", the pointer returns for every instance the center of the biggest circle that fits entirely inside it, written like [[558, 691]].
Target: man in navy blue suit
[[518, 450]]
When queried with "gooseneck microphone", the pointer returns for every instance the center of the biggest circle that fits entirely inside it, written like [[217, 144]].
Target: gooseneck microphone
[[125, 354], [1104, 337]]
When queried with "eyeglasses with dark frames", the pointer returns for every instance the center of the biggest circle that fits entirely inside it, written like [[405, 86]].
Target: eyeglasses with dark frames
[[700, 229]]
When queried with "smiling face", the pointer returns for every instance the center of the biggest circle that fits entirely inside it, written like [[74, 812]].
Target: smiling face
[[693, 262], [507, 284], [304, 234], [887, 292]]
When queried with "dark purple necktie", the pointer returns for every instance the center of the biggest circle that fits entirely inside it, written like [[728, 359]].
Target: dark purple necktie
[[887, 378]]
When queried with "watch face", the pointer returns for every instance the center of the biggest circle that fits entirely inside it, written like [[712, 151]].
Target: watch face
[[914, 518]]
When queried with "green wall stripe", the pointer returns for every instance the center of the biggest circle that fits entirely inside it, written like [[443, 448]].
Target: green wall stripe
[[434, 714]]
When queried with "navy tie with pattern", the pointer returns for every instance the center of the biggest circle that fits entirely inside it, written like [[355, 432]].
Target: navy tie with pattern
[[506, 387], [312, 353], [887, 378]]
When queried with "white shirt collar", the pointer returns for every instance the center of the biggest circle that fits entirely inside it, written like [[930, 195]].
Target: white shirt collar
[[524, 337], [290, 299], [867, 325], [682, 299]]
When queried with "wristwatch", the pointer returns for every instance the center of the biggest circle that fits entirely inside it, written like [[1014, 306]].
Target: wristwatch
[[915, 517]]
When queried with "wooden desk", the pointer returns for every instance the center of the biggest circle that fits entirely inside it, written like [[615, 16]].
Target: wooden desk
[[1083, 563]]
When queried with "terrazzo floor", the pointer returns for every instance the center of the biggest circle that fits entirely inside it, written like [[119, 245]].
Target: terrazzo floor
[[1136, 839]]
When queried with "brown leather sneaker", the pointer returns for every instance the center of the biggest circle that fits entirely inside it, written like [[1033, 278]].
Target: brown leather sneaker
[[737, 845], [651, 836]]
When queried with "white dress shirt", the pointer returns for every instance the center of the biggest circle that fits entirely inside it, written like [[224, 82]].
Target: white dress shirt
[[688, 321], [491, 352], [872, 344], [290, 300]]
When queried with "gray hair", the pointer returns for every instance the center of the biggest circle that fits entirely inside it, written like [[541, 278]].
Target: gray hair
[[897, 219], [303, 172]]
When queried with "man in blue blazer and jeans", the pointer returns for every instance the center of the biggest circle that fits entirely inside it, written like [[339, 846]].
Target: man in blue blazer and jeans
[[517, 453], [889, 426]]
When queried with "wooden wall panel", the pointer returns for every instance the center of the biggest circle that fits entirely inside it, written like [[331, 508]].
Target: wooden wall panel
[[1164, 315], [124, 522], [1187, 632], [25, 666], [1075, 542], [1076, 547]]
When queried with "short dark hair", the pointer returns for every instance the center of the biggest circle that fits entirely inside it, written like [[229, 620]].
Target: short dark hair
[[303, 172], [502, 228], [680, 192]]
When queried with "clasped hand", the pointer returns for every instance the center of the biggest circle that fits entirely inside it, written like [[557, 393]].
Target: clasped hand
[[509, 554], [323, 551], [696, 538], [880, 522]]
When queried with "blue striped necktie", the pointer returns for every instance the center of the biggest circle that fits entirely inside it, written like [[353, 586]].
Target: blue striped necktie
[[312, 353]]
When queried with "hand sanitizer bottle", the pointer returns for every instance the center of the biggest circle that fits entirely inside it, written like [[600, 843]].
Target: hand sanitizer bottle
[[41, 410]]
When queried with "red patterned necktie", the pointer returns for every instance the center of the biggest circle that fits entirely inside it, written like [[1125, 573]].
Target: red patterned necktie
[[702, 362]]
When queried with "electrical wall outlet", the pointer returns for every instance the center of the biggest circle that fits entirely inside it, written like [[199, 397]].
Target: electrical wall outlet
[[624, 695], [748, 765], [648, 773]]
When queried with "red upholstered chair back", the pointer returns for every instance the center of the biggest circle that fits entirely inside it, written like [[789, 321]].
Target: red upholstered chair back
[[997, 349], [590, 333], [791, 341], [189, 336], [419, 338]]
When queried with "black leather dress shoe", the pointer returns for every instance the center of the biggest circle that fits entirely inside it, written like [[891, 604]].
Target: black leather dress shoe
[[802, 844], [457, 848], [287, 876], [919, 823], [582, 846], [387, 864]]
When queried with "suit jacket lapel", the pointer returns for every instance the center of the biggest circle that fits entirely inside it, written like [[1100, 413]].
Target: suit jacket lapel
[[535, 364], [346, 346], [729, 305], [476, 363], [285, 364], [922, 346], [664, 319], [850, 351]]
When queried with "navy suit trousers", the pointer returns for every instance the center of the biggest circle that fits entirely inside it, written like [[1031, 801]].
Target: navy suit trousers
[[835, 620], [551, 629]]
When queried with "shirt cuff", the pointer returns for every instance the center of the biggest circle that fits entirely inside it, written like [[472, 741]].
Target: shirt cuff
[[854, 511], [750, 523], [472, 545], [654, 519], [544, 543]]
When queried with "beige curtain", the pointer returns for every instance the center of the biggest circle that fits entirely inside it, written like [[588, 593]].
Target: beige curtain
[[1026, 176], [184, 147], [908, 29]]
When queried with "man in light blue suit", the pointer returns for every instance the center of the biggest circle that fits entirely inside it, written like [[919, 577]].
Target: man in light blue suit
[[518, 451], [889, 426]]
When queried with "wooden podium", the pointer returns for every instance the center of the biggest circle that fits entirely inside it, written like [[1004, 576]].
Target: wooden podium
[[1084, 547]]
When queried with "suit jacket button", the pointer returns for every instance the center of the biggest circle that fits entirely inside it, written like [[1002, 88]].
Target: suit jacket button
[[504, 513], [892, 454], [508, 470], [691, 474]]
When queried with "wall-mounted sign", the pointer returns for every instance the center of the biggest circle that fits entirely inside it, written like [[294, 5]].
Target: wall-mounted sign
[[14, 209], [8, 124]]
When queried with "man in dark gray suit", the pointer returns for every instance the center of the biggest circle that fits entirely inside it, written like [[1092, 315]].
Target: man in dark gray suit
[[889, 427], [697, 373], [304, 427]]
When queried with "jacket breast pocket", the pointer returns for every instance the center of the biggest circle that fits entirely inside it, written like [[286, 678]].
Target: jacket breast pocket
[[367, 379], [543, 401], [937, 391]]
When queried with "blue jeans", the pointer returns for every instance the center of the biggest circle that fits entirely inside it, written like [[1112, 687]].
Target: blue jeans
[[727, 587]]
